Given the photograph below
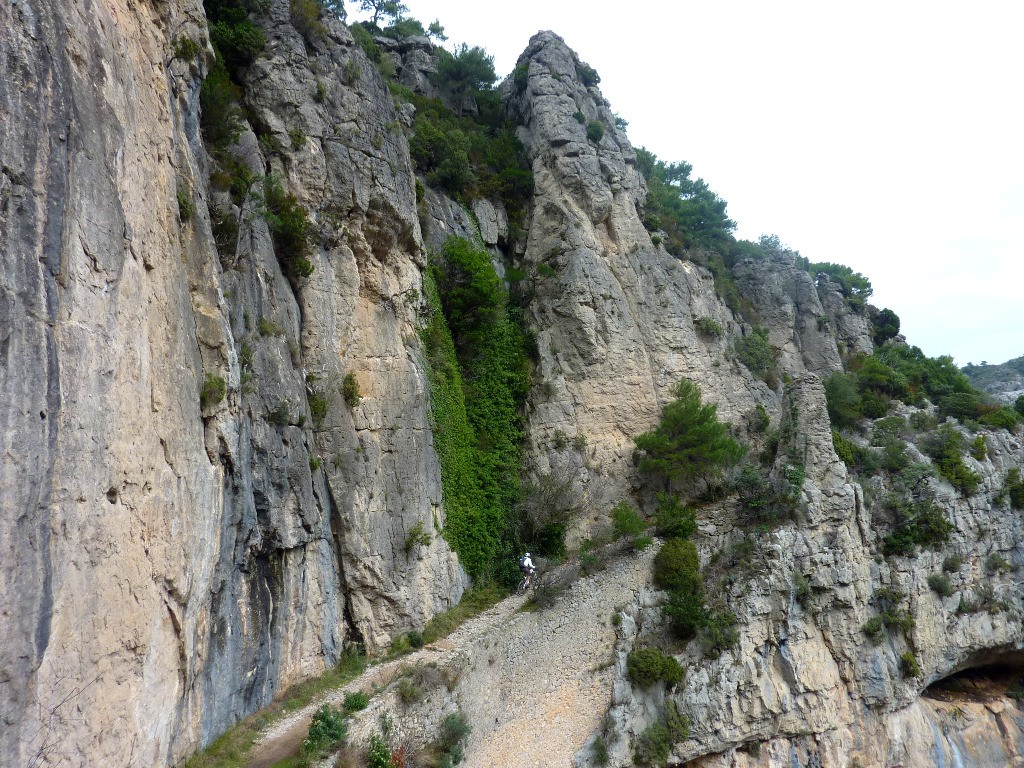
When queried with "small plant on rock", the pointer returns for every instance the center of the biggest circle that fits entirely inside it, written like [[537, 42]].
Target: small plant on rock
[[350, 390], [909, 666], [940, 584], [647, 666], [214, 390], [417, 537]]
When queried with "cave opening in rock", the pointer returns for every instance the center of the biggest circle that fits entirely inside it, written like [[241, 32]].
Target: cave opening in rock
[[986, 679]]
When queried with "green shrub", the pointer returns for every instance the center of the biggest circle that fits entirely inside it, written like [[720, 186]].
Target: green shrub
[[465, 72], [854, 286], [677, 566], [599, 751], [999, 418], [677, 724], [768, 501], [719, 633], [653, 746], [801, 590], [417, 537], [923, 526], [186, 49], [454, 730], [708, 327], [318, 407], [379, 755], [909, 666], [647, 666], [595, 131], [215, 389], [186, 208], [289, 228], [885, 325], [690, 442], [922, 421], [356, 701], [626, 521], [960, 405], [940, 584], [305, 17], [888, 429], [757, 354], [297, 135], [687, 612], [350, 390], [220, 114], [327, 730], [843, 401], [945, 448], [996, 564], [416, 638], [672, 519], [587, 75], [979, 449], [408, 691], [952, 564], [266, 327], [236, 39], [874, 628], [1014, 488]]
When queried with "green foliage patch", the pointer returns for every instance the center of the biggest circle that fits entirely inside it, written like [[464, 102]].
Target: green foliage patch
[[479, 375], [290, 229], [923, 526], [647, 666], [689, 443], [946, 448], [760, 357], [473, 155], [327, 730]]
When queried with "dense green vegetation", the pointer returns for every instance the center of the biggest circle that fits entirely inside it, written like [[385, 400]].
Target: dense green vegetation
[[647, 666], [905, 373], [470, 155], [479, 377], [690, 443]]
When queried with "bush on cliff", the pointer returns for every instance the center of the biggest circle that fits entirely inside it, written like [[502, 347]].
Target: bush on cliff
[[690, 443], [647, 666]]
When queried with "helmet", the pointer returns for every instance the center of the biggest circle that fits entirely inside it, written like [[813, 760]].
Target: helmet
[[527, 554]]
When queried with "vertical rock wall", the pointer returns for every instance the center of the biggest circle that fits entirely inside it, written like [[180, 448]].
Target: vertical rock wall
[[167, 567]]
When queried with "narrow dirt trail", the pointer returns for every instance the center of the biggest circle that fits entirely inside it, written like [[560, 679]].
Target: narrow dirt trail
[[284, 738]]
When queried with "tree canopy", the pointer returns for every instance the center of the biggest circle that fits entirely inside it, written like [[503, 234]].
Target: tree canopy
[[690, 443]]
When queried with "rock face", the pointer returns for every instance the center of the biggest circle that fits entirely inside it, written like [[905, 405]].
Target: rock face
[[217, 473], [170, 564]]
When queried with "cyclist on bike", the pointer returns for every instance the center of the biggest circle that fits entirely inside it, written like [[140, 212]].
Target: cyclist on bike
[[527, 568]]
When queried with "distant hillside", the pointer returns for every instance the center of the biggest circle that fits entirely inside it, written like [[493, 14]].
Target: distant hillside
[[1005, 381]]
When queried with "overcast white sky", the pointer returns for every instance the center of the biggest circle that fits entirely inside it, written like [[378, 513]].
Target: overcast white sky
[[888, 136]]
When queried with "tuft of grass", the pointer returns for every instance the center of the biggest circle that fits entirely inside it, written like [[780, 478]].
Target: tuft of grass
[[475, 601]]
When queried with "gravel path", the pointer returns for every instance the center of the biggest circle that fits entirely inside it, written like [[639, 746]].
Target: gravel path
[[284, 738]]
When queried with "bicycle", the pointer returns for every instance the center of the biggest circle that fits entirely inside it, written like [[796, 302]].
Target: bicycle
[[526, 583]]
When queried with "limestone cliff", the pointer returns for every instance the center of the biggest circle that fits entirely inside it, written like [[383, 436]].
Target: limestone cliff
[[171, 560], [214, 469]]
